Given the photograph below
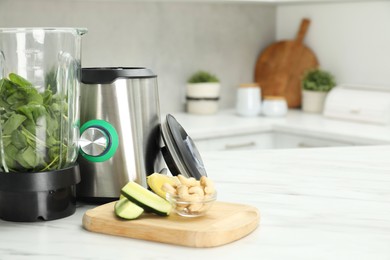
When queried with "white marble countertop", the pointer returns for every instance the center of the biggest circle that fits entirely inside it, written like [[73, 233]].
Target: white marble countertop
[[326, 203], [227, 123]]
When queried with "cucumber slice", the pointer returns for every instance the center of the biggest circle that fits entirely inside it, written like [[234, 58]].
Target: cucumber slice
[[146, 199], [127, 209]]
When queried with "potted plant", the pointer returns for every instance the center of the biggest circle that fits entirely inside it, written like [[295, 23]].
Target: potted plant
[[202, 93], [316, 84]]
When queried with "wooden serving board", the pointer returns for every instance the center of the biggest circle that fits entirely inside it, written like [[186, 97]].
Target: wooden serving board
[[281, 66], [223, 223]]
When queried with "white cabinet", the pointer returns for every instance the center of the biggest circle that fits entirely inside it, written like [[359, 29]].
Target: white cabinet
[[268, 140], [283, 141], [238, 142]]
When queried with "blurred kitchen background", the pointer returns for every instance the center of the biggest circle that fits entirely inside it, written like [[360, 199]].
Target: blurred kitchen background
[[176, 38]]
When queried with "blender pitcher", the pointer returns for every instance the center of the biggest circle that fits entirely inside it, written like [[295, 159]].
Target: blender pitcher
[[39, 120]]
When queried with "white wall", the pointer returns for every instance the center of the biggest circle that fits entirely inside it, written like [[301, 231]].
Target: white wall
[[352, 40], [173, 39]]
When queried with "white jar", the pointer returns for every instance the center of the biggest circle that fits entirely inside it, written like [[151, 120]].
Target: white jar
[[248, 101], [274, 106]]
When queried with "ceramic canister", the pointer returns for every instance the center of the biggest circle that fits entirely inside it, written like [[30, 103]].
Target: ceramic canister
[[274, 106], [248, 101]]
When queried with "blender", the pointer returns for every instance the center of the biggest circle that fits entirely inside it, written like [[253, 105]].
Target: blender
[[122, 138], [120, 130], [39, 122]]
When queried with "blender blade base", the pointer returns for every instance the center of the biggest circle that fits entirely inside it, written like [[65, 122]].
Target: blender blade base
[[30, 197]]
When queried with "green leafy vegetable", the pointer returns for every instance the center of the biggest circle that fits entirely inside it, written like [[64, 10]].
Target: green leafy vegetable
[[18, 80], [19, 140], [34, 125], [13, 123]]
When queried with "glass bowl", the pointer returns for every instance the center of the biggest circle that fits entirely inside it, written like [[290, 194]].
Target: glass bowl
[[191, 208]]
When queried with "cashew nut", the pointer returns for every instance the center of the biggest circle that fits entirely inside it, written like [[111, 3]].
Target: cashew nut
[[182, 192], [196, 190], [169, 188], [187, 181], [207, 185], [195, 207]]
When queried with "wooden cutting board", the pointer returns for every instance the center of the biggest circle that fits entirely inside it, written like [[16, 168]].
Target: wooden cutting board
[[223, 223], [280, 67]]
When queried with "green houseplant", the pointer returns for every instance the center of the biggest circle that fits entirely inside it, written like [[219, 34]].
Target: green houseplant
[[316, 84], [202, 77], [202, 93]]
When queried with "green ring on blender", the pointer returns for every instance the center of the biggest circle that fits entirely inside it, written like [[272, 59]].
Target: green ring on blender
[[113, 139]]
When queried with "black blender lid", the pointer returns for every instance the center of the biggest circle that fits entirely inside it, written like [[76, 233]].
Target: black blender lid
[[180, 152], [107, 75]]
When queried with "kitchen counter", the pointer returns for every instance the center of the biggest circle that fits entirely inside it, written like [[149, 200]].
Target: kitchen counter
[[326, 203], [227, 123]]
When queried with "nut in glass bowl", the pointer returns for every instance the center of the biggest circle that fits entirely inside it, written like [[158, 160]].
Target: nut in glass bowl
[[192, 207]]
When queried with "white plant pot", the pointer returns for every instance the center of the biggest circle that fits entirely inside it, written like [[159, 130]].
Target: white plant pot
[[203, 90], [202, 98], [202, 107], [313, 101]]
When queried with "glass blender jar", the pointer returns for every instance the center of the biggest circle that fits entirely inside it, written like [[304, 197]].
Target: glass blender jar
[[39, 121]]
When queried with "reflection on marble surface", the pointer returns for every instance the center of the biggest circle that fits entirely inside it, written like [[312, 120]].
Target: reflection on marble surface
[[327, 203]]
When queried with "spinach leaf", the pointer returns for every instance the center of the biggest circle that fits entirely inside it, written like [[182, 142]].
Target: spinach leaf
[[19, 80], [32, 111], [34, 97], [2, 82], [19, 158], [47, 97], [33, 125], [13, 123], [29, 156], [10, 155], [18, 140], [6, 140], [51, 80]]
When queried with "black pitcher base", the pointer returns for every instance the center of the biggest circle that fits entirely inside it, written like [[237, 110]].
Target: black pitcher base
[[36, 204]]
